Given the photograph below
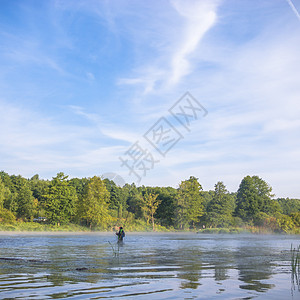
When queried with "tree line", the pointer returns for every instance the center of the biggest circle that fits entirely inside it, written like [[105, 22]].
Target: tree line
[[100, 203]]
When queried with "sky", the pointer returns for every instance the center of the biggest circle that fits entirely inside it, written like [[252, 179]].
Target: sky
[[154, 91]]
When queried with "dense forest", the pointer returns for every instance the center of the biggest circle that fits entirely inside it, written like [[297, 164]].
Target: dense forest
[[98, 203]]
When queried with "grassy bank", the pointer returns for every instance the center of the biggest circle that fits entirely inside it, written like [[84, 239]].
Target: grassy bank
[[137, 226], [32, 226], [223, 230], [247, 229]]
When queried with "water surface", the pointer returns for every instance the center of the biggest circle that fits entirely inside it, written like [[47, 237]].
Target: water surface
[[146, 266]]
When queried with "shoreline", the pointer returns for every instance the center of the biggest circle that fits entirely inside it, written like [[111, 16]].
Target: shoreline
[[36, 228], [108, 233]]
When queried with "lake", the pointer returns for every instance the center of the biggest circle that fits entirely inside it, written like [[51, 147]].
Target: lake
[[146, 266]]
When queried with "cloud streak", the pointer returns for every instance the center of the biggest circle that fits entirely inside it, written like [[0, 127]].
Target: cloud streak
[[199, 16], [174, 62], [291, 4]]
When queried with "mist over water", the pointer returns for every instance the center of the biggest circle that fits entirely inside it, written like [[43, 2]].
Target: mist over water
[[155, 266]]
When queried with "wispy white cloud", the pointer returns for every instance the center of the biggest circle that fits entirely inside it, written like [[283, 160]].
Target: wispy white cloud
[[173, 62], [104, 127], [199, 16], [78, 110], [148, 82], [24, 49], [291, 4], [31, 142]]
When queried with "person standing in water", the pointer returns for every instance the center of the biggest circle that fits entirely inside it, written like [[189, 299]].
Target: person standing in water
[[120, 234]]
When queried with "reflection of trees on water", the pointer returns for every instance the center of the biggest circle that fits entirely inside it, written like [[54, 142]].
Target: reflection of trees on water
[[221, 273], [222, 260], [254, 265], [191, 275], [77, 263], [58, 279], [295, 282], [184, 263], [191, 266], [191, 262]]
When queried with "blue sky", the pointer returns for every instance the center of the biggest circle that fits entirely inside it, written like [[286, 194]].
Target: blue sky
[[82, 81]]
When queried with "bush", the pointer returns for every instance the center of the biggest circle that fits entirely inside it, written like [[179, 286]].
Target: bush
[[230, 230], [7, 227], [286, 223], [224, 230], [237, 222], [7, 216], [296, 218], [260, 219]]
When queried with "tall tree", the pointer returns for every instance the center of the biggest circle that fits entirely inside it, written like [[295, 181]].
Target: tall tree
[[38, 186], [39, 189], [150, 205], [189, 203], [288, 205], [221, 207], [4, 193], [95, 202], [23, 202], [254, 196], [26, 203], [79, 184], [60, 200], [166, 210], [117, 199], [6, 179], [9, 201], [6, 216], [133, 199]]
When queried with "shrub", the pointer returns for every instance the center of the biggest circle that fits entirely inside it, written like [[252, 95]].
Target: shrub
[[286, 223], [296, 218], [7, 216]]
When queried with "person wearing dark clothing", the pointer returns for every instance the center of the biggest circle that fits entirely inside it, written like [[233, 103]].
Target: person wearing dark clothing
[[120, 234]]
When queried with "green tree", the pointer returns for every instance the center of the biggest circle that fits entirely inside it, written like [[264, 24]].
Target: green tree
[[7, 216], [134, 198], [6, 179], [165, 212], [4, 193], [286, 223], [288, 205], [296, 218], [79, 184], [117, 200], [150, 205], [221, 207], [60, 200], [95, 203], [39, 188], [189, 203], [254, 196], [9, 201], [24, 202], [207, 198]]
